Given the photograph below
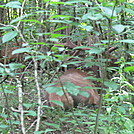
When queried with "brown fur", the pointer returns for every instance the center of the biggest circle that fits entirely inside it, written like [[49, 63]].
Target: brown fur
[[77, 78], [8, 53]]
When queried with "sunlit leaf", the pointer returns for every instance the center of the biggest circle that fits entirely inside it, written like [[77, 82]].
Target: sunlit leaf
[[109, 11], [129, 11], [130, 69], [118, 28], [4, 126], [13, 4], [127, 41], [31, 113], [9, 36], [21, 50], [14, 66]]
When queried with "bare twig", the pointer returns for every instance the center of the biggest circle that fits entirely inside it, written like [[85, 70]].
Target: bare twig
[[39, 95], [20, 96]]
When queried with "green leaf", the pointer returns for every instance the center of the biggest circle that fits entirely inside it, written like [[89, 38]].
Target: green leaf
[[71, 88], [7, 28], [59, 103], [129, 11], [61, 16], [13, 4], [60, 28], [49, 130], [87, 28], [27, 105], [35, 21], [121, 110], [109, 12], [83, 47], [52, 125], [8, 36], [127, 41], [53, 89], [111, 84], [57, 35], [129, 124], [21, 50], [92, 16], [84, 93], [14, 66], [2, 70], [130, 69], [4, 126], [31, 113], [19, 18], [39, 132], [96, 50], [118, 28], [8, 91]]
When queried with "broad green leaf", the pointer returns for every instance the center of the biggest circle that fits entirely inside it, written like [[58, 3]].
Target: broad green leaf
[[8, 36], [109, 12], [14, 66], [31, 113], [53, 89], [71, 88], [129, 124], [111, 84], [73, 62], [92, 16], [87, 28], [19, 18], [118, 28], [96, 50], [59, 103], [129, 11], [52, 125], [2, 70], [4, 126], [127, 41], [16, 122], [130, 69], [39, 132], [84, 93], [5, 28], [13, 4], [83, 47], [8, 91], [21, 50], [121, 110], [35, 21], [27, 105], [60, 93], [49, 130]]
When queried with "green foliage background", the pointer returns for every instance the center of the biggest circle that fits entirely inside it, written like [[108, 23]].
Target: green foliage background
[[37, 26]]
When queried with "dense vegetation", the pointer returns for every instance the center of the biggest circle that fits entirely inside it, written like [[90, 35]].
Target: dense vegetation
[[50, 36]]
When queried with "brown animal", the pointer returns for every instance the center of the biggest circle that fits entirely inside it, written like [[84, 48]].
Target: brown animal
[[7, 53], [77, 78]]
